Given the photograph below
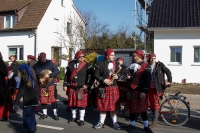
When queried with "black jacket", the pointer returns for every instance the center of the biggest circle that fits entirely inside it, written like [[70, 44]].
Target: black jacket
[[15, 67], [82, 75], [161, 70], [144, 81], [28, 94], [102, 72]]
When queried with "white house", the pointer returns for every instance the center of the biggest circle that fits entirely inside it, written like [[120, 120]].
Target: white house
[[28, 27], [176, 27]]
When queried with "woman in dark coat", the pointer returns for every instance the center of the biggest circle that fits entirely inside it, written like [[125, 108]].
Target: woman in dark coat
[[27, 91], [5, 98]]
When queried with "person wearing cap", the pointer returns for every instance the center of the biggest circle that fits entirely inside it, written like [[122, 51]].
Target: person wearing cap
[[107, 98], [27, 90], [48, 93], [14, 64], [5, 98], [13, 83], [31, 60], [157, 86], [76, 84], [139, 81]]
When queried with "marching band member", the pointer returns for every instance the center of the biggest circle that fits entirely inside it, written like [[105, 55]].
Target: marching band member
[[76, 85], [108, 92], [48, 93], [140, 78]]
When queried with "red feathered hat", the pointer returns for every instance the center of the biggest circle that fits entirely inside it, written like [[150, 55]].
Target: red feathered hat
[[9, 68], [139, 53], [78, 54], [120, 58], [108, 52]]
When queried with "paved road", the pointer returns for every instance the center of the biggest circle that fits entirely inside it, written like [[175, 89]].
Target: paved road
[[49, 125]]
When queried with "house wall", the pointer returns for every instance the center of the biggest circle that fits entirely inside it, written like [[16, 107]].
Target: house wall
[[25, 39], [52, 26], [187, 38]]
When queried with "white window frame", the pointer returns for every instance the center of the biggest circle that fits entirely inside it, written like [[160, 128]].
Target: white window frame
[[195, 63], [18, 51], [12, 21], [176, 63]]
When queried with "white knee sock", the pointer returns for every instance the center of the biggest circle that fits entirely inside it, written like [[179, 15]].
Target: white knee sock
[[145, 123], [55, 111], [82, 114], [44, 111], [114, 118], [132, 123], [73, 113], [102, 118]]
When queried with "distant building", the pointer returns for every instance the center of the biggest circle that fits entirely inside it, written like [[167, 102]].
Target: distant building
[[176, 27], [34, 26]]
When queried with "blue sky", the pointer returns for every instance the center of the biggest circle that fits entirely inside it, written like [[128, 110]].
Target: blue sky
[[113, 12]]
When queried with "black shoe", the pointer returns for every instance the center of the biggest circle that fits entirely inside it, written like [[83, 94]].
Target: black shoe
[[130, 128], [56, 117], [99, 125], [81, 123], [116, 126], [148, 130], [12, 111], [43, 117], [72, 120], [65, 102], [5, 120]]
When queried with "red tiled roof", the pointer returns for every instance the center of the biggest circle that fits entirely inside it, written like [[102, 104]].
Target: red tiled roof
[[31, 17]]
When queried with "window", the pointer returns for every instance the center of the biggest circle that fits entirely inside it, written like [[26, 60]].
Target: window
[[196, 54], [70, 53], [69, 28], [9, 21], [81, 31], [18, 52], [62, 2], [55, 54], [176, 54]]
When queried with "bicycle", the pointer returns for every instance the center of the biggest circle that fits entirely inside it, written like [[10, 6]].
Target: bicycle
[[175, 110]]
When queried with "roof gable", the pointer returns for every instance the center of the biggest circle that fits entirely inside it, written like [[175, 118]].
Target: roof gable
[[32, 15], [174, 13]]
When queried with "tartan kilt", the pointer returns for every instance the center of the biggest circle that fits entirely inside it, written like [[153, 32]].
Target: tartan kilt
[[51, 98], [15, 92], [136, 105], [153, 99], [73, 100], [111, 102]]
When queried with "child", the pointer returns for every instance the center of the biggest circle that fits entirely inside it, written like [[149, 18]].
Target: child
[[13, 86], [27, 91]]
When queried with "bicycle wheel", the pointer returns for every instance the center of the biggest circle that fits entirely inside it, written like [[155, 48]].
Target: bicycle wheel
[[176, 114]]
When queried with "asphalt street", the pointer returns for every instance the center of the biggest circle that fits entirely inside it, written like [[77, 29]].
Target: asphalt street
[[49, 125]]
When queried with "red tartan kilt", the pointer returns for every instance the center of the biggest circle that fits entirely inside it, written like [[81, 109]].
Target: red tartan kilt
[[73, 100], [111, 102], [136, 105], [153, 99], [15, 94], [50, 98]]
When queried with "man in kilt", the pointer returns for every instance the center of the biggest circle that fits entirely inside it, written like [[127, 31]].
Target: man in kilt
[[157, 86], [76, 84], [139, 79], [107, 98], [44, 64]]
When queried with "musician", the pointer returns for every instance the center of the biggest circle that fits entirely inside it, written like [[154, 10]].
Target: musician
[[31, 60], [44, 64], [139, 78], [108, 93], [157, 86], [76, 84]]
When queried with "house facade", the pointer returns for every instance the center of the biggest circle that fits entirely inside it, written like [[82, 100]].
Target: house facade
[[29, 27], [176, 28]]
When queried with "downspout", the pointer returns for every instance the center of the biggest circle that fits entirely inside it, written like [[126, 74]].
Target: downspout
[[35, 41]]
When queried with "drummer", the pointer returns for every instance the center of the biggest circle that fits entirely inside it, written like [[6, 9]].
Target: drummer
[[44, 64]]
